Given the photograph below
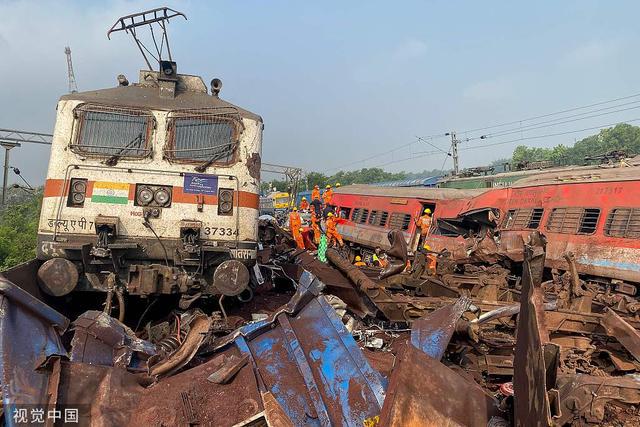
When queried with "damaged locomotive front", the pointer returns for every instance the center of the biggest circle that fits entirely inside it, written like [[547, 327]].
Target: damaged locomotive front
[[154, 184]]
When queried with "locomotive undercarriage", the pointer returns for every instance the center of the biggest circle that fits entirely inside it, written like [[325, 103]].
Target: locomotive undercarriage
[[146, 266]]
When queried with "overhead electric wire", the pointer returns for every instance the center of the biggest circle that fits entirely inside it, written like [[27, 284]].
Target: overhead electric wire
[[418, 139], [551, 114], [548, 135], [552, 123]]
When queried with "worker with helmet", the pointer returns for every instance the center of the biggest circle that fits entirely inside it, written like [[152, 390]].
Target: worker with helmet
[[337, 185], [380, 258], [328, 195], [295, 221], [359, 262], [315, 193], [431, 259], [424, 223], [297, 236], [304, 205], [332, 232]]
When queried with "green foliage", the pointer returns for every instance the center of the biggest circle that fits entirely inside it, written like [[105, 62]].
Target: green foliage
[[18, 231], [620, 137]]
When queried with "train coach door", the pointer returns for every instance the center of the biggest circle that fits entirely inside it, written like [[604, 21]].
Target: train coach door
[[416, 237]]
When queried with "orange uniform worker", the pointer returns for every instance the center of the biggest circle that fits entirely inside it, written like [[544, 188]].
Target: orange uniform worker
[[327, 195], [297, 236], [424, 222], [315, 193], [295, 221], [316, 228], [359, 262], [332, 231], [431, 259], [304, 205]]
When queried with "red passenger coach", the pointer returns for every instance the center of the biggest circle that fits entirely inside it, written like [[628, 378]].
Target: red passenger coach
[[594, 214], [371, 212]]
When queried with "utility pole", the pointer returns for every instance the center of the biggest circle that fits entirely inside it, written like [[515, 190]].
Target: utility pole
[[7, 145], [73, 87], [454, 152]]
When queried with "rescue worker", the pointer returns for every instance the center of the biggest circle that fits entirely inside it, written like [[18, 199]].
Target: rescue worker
[[295, 221], [380, 258], [359, 262], [337, 185], [315, 193], [297, 236], [332, 231], [327, 195], [315, 226], [304, 205], [424, 222], [431, 259]]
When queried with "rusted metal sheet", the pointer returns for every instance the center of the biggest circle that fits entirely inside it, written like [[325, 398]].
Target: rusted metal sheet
[[617, 327], [432, 333], [30, 335], [306, 358], [582, 398], [424, 392], [533, 349], [336, 283], [99, 339]]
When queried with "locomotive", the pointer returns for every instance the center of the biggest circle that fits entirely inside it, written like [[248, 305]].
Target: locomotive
[[152, 187]]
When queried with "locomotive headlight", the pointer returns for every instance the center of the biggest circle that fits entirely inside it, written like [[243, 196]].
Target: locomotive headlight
[[162, 197], [77, 192], [145, 196], [225, 201]]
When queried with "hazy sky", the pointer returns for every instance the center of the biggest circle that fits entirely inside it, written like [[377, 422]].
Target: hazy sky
[[337, 82]]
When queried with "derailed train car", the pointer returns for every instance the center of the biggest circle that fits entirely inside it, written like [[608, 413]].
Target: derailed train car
[[156, 182], [592, 213]]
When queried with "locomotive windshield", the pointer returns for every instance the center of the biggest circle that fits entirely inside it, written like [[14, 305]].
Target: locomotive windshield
[[204, 138], [112, 132]]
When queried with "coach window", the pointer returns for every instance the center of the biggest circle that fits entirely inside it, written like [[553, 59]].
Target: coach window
[[378, 218], [519, 219], [573, 220], [355, 214], [345, 212], [115, 132], [400, 221], [209, 138], [623, 222]]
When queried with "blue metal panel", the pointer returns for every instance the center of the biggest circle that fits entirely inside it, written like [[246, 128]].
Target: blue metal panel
[[311, 364]]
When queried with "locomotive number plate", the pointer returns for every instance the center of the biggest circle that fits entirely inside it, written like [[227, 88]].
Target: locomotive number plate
[[219, 231]]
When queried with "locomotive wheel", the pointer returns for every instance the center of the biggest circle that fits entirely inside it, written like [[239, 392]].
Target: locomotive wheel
[[231, 278]]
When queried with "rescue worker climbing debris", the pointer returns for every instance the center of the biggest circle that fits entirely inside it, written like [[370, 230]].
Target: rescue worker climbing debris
[[304, 204], [332, 232], [327, 196], [424, 222], [297, 235], [431, 259], [358, 262]]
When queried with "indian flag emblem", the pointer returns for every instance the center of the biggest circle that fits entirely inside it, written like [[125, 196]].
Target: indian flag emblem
[[110, 192]]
